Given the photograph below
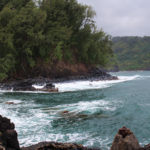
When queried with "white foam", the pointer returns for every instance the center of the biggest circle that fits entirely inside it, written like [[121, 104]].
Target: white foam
[[87, 85], [80, 85], [57, 137], [36, 86], [89, 107], [10, 91], [104, 142], [33, 122], [128, 78], [14, 101], [86, 138]]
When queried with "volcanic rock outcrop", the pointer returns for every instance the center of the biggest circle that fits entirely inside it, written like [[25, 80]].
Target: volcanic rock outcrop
[[125, 140], [27, 85], [93, 74], [56, 146], [8, 135]]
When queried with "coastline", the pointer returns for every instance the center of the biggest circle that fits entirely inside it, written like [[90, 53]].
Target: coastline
[[47, 84]]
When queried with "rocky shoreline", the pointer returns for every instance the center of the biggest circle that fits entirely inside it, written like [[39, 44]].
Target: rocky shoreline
[[27, 84], [124, 140]]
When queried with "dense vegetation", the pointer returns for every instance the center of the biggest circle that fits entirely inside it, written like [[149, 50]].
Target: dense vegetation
[[47, 32], [132, 53]]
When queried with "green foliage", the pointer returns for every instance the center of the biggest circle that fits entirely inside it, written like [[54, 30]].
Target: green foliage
[[58, 51], [7, 65], [132, 53], [49, 31]]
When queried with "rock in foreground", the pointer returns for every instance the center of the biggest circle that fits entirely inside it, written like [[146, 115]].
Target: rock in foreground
[[8, 135], [56, 146], [125, 140]]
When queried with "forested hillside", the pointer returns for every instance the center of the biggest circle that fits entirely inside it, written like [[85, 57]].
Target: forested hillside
[[132, 53], [35, 37]]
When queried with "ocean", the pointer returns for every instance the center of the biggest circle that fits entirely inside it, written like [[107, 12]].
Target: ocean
[[83, 112]]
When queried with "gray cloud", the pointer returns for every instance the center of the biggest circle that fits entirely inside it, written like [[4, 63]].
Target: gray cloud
[[122, 17]]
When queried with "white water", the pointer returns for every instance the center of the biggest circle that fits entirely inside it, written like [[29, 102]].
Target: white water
[[87, 85], [33, 119], [90, 107], [81, 85], [36, 86], [31, 125]]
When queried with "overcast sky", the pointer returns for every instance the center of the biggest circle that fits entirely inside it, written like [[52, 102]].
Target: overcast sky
[[122, 17]]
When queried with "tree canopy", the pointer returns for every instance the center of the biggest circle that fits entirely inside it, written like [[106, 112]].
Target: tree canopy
[[132, 53], [49, 31]]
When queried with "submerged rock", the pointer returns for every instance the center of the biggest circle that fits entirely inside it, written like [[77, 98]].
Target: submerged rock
[[65, 112], [49, 90], [74, 116], [125, 140], [10, 103]]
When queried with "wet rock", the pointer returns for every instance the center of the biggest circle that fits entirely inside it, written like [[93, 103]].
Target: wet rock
[[49, 85], [8, 135], [19, 85], [10, 103], [146, 147], [26, 85], [68, 115], [101, 74], [125, 140], [26, 88], [65, 112], [98, 72], [49, 89], [56, 146], [2, 148]]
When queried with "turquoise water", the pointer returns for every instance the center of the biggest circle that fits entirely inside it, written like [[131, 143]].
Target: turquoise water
[[95, 111]]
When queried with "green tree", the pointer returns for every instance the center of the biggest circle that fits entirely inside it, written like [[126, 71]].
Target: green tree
[[34, 34]]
